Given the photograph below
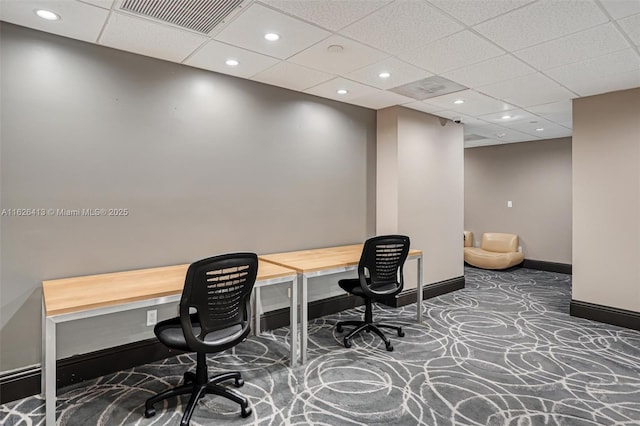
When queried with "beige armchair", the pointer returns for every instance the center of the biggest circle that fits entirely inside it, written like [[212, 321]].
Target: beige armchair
[[497, 251]]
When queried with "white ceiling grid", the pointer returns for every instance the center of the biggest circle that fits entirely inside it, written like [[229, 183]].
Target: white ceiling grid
[[526, 59]]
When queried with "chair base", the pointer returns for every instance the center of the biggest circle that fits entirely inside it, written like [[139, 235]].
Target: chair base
[[361, 326], [198, 389]]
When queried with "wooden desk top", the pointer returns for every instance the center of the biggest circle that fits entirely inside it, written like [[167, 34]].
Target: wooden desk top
[[96, 291], [305, 261]]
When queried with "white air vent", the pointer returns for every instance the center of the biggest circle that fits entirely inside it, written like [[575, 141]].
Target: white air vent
[[428, 88], [195, 15]]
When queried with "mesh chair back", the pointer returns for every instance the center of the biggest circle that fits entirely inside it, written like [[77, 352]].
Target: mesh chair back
[[219, 289], [383, 258]]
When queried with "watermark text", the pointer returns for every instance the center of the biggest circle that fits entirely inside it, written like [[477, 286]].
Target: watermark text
[[61, 212]]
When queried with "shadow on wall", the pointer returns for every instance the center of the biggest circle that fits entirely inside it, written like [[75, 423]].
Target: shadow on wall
[[19, 327]]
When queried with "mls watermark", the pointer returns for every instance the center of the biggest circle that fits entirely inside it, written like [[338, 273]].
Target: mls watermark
[[58, 212]]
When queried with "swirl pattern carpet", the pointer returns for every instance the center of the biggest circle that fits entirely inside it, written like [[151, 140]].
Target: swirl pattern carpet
[[501, 351]]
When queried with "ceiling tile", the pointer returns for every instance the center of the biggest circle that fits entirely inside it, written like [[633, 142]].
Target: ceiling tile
[[470, 121], [558, 112], [503, 142], [482, 128], [491, 71], [214, 54], [516, 116], [577, 47], [554, 131], [490, 142], [474, 103], [579, 76], [79, 21], [532, 89], [329, 89], [454, 51], [353, 56], [148, 38], [541, 21], [380, 99], [248, 30], [387, 28], [466, 120], [482, 142], [333, 15], [631, 26], [499, 133], [421, 106], [105, 4], [401, 73], [472, 12], [621, 8], [510, 136], [548, 130], [292, 76], [612, 83]]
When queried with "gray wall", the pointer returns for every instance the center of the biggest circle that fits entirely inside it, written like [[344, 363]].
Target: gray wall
[[420, 189], [606, 199], [536, 177], [205, 163]]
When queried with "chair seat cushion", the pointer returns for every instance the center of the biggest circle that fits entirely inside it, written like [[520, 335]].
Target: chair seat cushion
[[170, 333], [352, 285], [491, 260]]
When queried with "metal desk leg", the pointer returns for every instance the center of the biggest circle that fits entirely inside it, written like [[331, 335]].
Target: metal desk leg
[[256, 311], [293, 322], [49, 369], [420, 284], [43, 355], [303, 318]]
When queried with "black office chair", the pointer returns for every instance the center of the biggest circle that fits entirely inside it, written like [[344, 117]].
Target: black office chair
[[219, 290], [379, 277]]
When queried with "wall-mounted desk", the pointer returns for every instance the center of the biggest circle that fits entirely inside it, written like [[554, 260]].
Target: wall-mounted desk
[[77, 298], [71, 299], [325, 261]]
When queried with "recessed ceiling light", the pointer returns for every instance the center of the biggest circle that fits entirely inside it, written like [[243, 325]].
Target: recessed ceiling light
[[47, 14], [272, 36], [384, 74], [458, 101], [540, 129], [232, 62], [342, 91], [506, 117], [501, 134], [335, 48]]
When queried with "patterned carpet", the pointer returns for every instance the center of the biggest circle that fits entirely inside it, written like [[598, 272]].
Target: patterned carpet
[[502, 351]]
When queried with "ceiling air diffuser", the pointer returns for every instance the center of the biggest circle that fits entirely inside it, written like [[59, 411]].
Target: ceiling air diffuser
[[201, 16]]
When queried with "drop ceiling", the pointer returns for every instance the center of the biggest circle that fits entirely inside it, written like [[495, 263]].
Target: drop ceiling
[[515, 64]]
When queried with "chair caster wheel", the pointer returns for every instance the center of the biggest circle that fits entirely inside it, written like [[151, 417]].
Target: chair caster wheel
[[339, 328], [149, 412], [188, 377], [389, 347], [400, 333], [245, 412], [239, 382], [347, 343]]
